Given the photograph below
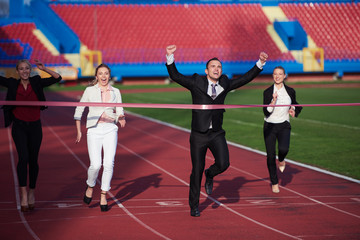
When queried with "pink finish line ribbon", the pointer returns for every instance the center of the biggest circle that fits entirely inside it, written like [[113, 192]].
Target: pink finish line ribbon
[[158, 105]]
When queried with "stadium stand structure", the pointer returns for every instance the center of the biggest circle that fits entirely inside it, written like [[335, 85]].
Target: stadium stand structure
[[13, 50], [132, 37], [333, 26], [138, 33], [20, 42]]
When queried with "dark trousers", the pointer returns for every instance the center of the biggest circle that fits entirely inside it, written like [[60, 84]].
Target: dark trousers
[[281, 133], [199, 143], [27, 137]]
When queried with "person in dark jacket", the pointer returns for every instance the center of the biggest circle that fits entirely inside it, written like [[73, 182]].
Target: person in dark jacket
[[277, 122], [206, 125], [26, 125]]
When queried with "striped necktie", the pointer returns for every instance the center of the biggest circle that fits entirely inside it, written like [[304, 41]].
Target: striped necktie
[[213, 93]]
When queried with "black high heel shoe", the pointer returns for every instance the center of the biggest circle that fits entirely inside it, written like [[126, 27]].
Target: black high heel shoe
[[87, 199], [24, 208], [105, 207]]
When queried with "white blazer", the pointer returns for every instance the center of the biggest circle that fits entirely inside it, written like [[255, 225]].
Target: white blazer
[[93, 94]]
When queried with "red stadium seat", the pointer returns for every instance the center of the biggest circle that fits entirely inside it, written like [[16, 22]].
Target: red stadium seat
[[196, 29], [332, 26], [24, 33]]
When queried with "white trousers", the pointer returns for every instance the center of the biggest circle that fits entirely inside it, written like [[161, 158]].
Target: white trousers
[[102, 136]]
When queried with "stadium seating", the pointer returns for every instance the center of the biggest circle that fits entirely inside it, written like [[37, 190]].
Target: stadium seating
[[22, 34], [139, 33], [333, 26], [13, 50]]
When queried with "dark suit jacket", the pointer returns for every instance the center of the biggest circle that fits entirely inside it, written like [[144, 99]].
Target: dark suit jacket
[[268, 97], [37, 83], [198, 86]]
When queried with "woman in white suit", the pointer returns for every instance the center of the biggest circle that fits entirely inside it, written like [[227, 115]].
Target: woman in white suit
[[102, 131]]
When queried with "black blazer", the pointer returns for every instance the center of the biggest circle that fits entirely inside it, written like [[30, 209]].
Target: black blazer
[[268, 97], [198, 86], [37, 83]]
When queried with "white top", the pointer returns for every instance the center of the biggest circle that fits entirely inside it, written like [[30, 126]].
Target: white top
[[93, 94], [218, 88], [279, 114]]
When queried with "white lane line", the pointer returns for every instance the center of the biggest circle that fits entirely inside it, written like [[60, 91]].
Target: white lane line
[[329, 124], [292, 133], [247, 173], [246, 123], [301, 119], [316, 169], [16, 185], [253, 150], [297, 193], [170, 125], [205, 195], [112, 196]]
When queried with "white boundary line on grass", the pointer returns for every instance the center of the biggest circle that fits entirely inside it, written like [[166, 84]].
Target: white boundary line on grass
[[252, 150], [290, 190]]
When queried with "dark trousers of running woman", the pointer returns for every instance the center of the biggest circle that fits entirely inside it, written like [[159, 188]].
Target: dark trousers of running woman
[[27, 137], [199, 143], [273, 132]]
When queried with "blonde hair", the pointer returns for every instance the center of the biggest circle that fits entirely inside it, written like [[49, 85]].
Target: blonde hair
[[23, 61]]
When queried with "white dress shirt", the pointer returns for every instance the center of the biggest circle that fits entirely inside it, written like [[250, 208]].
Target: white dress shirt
[[279, 114], [218, 88]]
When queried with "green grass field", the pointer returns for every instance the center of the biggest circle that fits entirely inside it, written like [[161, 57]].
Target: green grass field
[[326, 137]]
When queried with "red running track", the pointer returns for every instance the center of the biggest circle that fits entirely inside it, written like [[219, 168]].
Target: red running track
[[149, 195]]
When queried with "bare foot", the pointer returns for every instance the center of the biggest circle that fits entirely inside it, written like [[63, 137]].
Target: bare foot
[[31, 198], [103, 200], [89, 192], [24, 199], [282, 166], [24, 196], [275, 188]]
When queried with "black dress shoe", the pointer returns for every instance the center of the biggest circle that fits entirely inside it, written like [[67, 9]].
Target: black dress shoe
[[104, 208], [194, 212], [87, 200], [208, 183], [24, 208]]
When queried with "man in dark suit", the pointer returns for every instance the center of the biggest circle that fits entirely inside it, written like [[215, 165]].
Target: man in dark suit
[[206, 125]]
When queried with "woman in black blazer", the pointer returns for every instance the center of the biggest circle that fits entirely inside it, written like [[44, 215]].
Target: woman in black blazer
[[26, 126], [277, 122]]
